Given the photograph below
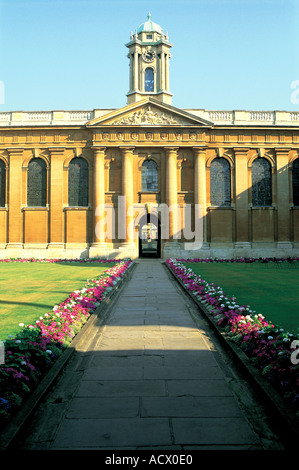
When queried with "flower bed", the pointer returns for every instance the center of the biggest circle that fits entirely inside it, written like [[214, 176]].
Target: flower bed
[[60, 260], [269, 348], [32, 352], [291, 260]]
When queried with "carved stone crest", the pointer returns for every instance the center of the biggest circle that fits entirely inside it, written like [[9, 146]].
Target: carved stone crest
[[147, 116]]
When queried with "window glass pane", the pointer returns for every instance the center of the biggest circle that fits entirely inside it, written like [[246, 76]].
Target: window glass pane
[[149, 80], [149, 176], [220, 182], [261, 183], [295, 174], [37, 183], [2, 183], [78, 182]]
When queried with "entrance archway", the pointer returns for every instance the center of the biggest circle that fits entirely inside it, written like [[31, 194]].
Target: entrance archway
[[149, 237]]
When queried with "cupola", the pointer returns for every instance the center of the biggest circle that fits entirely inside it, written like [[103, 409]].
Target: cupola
[[149, 63]]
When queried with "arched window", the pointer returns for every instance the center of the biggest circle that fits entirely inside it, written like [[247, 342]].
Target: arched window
[[295, 178], [149, 176], [2, 183], [78, 182], [220, 182], [149, 79], [261, 182], [37, 183]]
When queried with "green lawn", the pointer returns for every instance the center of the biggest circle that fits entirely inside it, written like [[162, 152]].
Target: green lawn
[[29, 290], [269, 290]]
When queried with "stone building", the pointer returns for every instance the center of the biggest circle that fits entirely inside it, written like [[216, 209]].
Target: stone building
[[149, 178]]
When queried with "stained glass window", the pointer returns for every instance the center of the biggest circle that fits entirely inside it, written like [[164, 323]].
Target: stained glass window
[[149, 80], [78, 182], [149, 176], [37, 183], [220, 182], [2, 183], [295, 174], [261, 182]]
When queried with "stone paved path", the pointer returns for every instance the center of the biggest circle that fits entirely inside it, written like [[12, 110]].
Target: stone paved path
[[151, 378]]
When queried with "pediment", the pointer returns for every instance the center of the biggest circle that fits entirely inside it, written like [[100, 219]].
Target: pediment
[[149, 112]]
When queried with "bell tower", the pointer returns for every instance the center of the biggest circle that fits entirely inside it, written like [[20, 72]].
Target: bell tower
[[149, 63]]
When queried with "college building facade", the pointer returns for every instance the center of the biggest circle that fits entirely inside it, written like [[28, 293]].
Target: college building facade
[[149, 178]]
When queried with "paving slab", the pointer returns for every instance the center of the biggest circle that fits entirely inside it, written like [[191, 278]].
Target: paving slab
[[153, 377]]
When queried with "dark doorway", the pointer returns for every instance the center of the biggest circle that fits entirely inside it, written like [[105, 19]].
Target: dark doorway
[[149, 237]]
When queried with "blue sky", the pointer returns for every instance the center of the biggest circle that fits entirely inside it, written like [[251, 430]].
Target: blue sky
[[227, 54]]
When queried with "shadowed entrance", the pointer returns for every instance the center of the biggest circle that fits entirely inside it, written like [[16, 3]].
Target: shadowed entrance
[[149, 237]]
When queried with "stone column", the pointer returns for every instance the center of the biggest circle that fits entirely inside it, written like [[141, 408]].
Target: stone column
[[56, 230], [99, 196], [127, 231], [162, 79], [283, 199], [172, 191], [167, 72], [15, 232], [241, 183], [200, 193], [135, 71]]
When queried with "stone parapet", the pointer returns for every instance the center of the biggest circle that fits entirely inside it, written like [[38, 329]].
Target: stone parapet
[[217, 117]]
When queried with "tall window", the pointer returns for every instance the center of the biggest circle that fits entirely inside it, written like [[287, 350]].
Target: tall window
[[149, 79], [295, 175], [149, 176], [2, 183], [261, 182], [220, 182], [78, 182], [37, 183]]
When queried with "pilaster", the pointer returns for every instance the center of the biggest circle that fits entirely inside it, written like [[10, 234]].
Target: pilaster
[[200, 191], [127, 192], [241, 184], [283, 195], [172, 190], [99, 194], [15, 225], [56, 229]]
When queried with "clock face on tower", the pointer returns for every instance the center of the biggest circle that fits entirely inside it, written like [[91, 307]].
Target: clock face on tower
[[149, 55]]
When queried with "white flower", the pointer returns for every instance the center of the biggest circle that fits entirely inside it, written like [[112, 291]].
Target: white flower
[[48, 351], [21, 324], [270, 337]]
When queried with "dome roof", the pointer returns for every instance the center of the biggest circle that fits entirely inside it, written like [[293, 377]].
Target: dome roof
[[149, 26]]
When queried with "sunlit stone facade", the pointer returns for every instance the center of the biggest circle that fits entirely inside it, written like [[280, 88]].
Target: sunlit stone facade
[[175, 182]]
